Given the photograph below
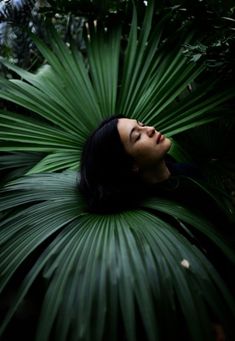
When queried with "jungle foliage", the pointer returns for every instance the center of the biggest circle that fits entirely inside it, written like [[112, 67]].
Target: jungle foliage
[[67, 274]]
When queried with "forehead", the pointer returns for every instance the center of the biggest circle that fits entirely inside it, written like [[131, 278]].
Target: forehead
[[125, 125]]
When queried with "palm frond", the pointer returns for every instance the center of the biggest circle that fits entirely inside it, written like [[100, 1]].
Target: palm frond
[[73, 94], [103, 59], [188, 216], [15, 165], [105, 271]]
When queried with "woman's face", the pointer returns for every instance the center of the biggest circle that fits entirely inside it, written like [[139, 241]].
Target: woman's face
[[146, 145]]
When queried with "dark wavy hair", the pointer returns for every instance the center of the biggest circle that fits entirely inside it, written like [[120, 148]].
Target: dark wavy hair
[[107, 180]]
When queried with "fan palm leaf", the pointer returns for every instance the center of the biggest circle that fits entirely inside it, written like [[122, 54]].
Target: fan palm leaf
[[73, 94], [14, 165], [103, 270]]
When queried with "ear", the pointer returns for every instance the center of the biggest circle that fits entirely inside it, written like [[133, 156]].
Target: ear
[[135, 168]]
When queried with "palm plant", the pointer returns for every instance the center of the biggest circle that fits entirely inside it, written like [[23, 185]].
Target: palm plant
[[14, 40], [115, 276], [19, 17]]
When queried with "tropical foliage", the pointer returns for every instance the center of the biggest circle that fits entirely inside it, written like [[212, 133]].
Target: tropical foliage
[[138, 274], [212, 20], [20, 16], [15, 43]]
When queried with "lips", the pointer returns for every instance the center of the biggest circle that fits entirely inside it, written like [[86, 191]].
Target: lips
[[159, 138]]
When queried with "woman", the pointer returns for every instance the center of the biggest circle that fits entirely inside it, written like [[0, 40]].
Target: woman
[[124, 160]]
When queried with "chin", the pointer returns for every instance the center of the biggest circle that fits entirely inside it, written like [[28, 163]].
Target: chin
[[168, 143]]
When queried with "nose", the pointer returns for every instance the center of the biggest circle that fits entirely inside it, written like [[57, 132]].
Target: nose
[[150, 131]]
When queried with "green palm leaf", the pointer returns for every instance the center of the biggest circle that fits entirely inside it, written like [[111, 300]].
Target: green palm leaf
[[102, 272], [73, 94], [196, 221], [14, 165]]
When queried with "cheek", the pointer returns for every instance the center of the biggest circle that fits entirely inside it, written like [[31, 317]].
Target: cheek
[[147, 156], [149, 153]]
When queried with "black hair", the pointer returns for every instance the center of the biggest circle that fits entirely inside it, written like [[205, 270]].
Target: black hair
[[107, 179]]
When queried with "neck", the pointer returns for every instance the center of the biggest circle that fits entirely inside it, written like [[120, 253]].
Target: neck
[[157, 174]]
